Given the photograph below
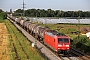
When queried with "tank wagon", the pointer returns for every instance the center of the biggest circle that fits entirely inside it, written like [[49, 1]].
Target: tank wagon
[[58, 42], [17, 20], [26, 25], [22, 23]]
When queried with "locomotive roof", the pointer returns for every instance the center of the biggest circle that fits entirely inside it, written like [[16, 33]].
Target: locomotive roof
[[53, 33]]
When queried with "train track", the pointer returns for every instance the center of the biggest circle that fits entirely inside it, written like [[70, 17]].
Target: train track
[[16, 53], [74, 54], [80, 55]]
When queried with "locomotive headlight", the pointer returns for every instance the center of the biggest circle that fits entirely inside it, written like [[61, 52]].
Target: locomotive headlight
[[67, 45], [59, 45]]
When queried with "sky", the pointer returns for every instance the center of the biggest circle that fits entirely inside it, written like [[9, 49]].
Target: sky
[[65, 5]]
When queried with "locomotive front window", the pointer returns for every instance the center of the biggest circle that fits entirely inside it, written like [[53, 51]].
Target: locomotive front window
[[61, 40], [65, 40]]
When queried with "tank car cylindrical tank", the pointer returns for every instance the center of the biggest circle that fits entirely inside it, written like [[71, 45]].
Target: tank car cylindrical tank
[[26, 25], [22, 22], [41, 31], [29, 23], [13, 18], [31, 27], [17, 20], [36, 29]]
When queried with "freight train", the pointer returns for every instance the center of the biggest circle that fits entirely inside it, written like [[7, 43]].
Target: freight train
[[58, 42]]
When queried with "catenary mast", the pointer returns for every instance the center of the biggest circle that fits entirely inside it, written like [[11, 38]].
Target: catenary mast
[[23, 8]]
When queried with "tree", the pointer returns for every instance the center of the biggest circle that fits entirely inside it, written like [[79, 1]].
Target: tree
[[1, 10], [52, 13], [19, 11], [62, 14], [3, 15], [43, 13]]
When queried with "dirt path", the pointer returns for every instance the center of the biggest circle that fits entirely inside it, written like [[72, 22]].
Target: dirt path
[[3, 42]]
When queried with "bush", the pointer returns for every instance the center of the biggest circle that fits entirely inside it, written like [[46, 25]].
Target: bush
[[3, 15], [81, 39], [83, 43]]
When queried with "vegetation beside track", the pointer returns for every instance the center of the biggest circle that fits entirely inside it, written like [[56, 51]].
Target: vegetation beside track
[[22, 45]]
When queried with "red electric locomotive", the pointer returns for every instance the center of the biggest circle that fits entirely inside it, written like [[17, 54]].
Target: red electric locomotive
[[57, 41]]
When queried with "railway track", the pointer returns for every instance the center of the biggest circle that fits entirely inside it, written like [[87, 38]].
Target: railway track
[[80, 55], [16, 53], [74, 55]]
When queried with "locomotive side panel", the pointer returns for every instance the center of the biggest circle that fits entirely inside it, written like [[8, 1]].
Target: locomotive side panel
[[50, 41]]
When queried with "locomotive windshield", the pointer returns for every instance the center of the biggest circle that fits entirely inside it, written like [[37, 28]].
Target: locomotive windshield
[[65, 40]]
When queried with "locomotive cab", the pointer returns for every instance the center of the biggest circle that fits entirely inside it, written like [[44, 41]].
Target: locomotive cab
[[58, 43], [63, 44]]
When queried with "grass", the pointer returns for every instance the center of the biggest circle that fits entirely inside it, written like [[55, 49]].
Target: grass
[[1, 20], [31, 52]]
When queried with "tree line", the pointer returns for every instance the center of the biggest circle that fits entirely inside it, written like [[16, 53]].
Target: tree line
[[51, 13]]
